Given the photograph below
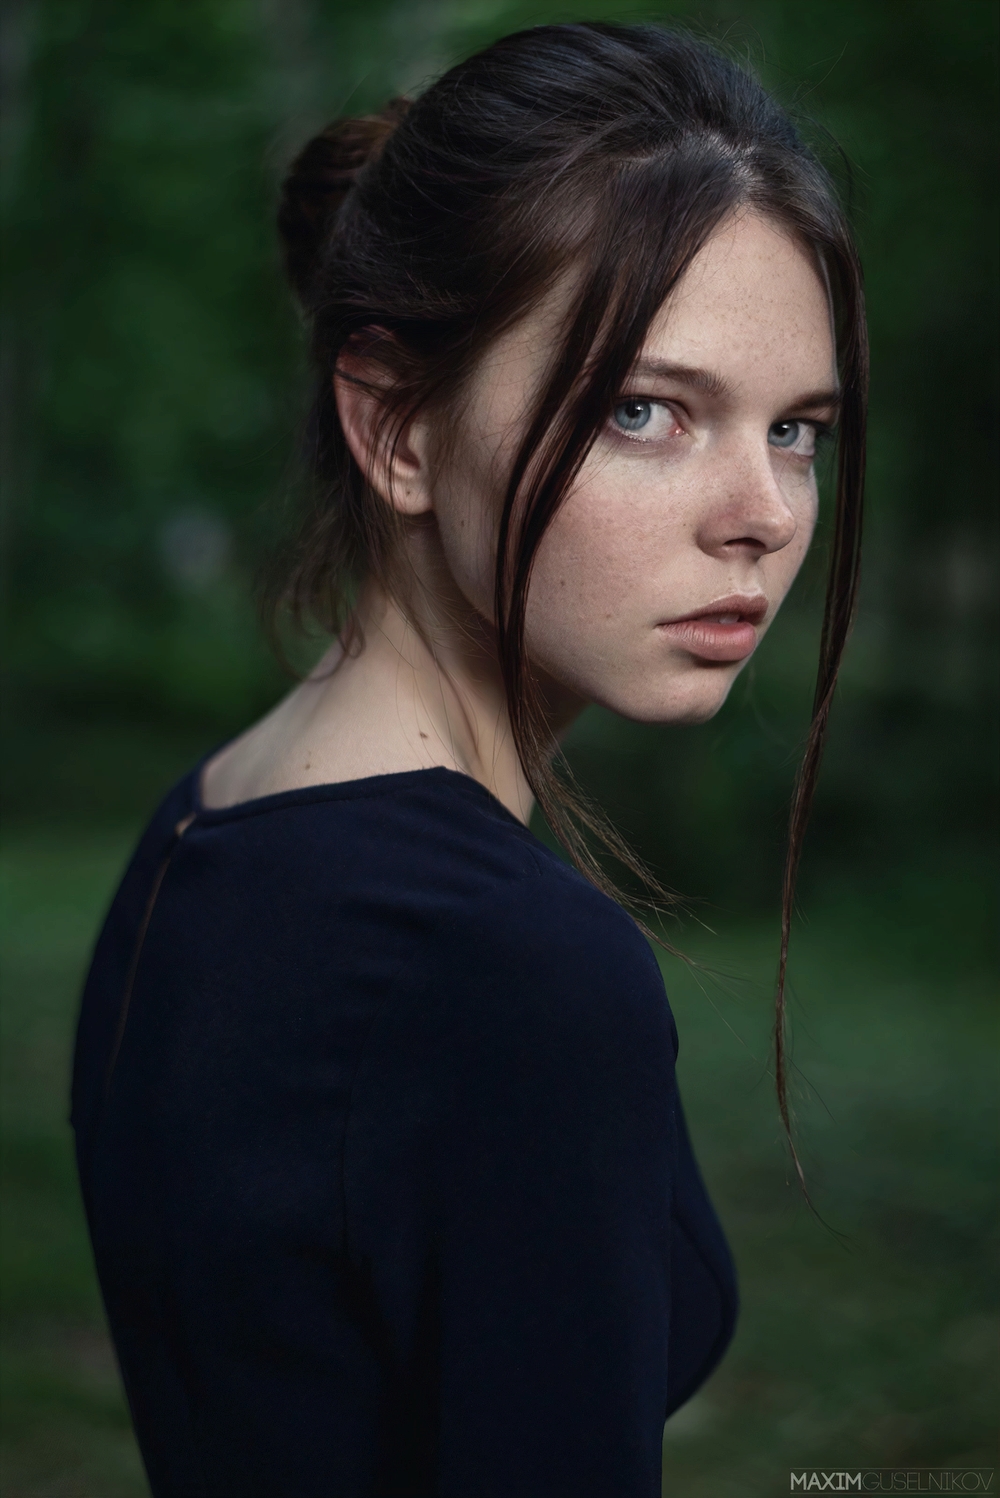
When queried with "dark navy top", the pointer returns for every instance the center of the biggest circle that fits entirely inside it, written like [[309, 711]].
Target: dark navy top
[[386, 1174]]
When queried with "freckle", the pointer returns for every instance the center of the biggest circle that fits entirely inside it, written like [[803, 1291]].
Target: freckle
[[423, 735], [562, 582]]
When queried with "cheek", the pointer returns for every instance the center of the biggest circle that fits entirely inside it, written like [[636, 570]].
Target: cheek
[[592, 571], [589, 564]]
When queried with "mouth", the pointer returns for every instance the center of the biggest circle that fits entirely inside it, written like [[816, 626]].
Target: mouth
[[725, 630]]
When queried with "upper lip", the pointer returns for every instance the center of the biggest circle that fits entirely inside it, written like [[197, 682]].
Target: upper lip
[[749, 608]]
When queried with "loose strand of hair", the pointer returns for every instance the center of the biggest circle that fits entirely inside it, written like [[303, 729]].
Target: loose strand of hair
[[838, 616]]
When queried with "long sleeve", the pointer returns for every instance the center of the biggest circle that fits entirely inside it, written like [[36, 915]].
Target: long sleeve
[[511, 1155]]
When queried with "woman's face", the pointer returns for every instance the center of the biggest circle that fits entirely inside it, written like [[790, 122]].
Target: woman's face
[[670, 556]]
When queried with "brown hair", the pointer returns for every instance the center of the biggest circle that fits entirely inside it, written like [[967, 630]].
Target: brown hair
[[439, 223]]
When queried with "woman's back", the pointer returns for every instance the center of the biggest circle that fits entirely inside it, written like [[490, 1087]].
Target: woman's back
[[385, 1169]]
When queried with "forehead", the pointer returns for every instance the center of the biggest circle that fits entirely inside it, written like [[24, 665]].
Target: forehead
[[751, 309], [751, 306]]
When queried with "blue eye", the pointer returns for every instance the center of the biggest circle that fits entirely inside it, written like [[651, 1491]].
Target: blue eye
[[633, 415], [788, 433]]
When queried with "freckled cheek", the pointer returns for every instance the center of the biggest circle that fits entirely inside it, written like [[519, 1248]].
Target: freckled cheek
[[593, 564]]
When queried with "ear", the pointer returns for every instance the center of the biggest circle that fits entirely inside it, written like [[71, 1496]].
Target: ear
[[400, 476]]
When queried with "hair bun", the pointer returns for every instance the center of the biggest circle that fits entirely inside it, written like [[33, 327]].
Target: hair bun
[[319, 180]]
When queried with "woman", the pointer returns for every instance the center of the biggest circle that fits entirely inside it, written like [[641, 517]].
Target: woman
[[385, 1169]]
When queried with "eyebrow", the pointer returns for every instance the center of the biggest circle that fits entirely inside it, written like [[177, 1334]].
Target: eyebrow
[[709, 383]]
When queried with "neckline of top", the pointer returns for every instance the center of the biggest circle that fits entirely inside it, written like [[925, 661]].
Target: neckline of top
[[365, 787]]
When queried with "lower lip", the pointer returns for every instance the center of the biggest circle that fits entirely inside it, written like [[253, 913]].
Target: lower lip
[[712, 642]]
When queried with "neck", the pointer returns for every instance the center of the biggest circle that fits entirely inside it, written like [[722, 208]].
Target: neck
[[438, 665], [446, 691], [411, 685]]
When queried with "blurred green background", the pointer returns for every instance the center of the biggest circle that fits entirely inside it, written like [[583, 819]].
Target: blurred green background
[[152, 382]]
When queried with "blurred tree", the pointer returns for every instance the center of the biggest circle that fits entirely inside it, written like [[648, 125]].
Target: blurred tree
[[152, 380]]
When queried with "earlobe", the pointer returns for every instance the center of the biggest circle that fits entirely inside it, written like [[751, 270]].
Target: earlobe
[[394, 464]]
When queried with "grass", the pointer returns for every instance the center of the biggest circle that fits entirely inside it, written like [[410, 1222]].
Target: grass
[[868, 1341]]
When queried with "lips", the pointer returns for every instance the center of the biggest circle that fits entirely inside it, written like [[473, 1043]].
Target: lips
[[725, 630]]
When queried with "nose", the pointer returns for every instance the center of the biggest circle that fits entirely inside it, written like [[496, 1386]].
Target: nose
[[749, 513]]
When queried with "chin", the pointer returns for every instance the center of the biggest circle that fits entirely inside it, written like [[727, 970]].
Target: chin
[[694, 697]]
